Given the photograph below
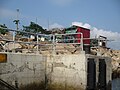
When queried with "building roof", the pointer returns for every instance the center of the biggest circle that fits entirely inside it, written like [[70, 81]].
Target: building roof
[[74, 27]]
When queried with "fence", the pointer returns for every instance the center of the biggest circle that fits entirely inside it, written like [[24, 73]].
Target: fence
[[35, 42]]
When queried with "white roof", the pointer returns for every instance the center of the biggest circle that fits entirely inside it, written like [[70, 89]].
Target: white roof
[[79, 24]]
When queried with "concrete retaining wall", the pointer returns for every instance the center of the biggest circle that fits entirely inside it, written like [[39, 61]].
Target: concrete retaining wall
[[68, 70], [108, 66], [24, 68]]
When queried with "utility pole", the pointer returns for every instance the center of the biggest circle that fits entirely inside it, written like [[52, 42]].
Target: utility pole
[[37, 40], [17, 23], [48, 23], [17, 19]]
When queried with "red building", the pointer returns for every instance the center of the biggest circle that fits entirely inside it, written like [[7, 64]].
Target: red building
[[86, 35], [84, 31], [77, 37]]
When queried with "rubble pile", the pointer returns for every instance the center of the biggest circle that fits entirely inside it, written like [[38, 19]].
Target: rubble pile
[[46, 47], [113, 54]]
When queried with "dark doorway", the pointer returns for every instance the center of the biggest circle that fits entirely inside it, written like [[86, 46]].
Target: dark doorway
[[91, 76], [102, 75]]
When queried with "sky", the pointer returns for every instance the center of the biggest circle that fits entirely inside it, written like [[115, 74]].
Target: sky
[[102, 16]]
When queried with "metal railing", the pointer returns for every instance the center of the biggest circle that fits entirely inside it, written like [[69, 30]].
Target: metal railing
[[53, 40]]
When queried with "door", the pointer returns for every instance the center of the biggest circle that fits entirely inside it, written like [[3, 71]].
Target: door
[[102, 75], [91, 76]]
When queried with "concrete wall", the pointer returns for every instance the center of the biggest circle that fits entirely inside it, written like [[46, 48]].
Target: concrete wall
[[108, 66], [25, 68], [72, 69], [69, 70]]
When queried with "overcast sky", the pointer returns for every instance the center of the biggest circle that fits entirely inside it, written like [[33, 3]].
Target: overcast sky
[[103, 16]]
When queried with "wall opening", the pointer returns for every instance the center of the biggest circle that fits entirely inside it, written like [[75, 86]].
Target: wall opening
[[102, 75], [91, 76]]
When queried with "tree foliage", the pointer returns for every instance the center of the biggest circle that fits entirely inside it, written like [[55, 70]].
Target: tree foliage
[[35, 28], [3, 29], [16, 21]]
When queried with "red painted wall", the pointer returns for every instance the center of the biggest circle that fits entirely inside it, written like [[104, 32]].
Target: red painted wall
[[86, 34]]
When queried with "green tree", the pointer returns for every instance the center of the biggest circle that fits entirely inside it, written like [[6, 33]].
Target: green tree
[[3, 29], [35, 28]]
